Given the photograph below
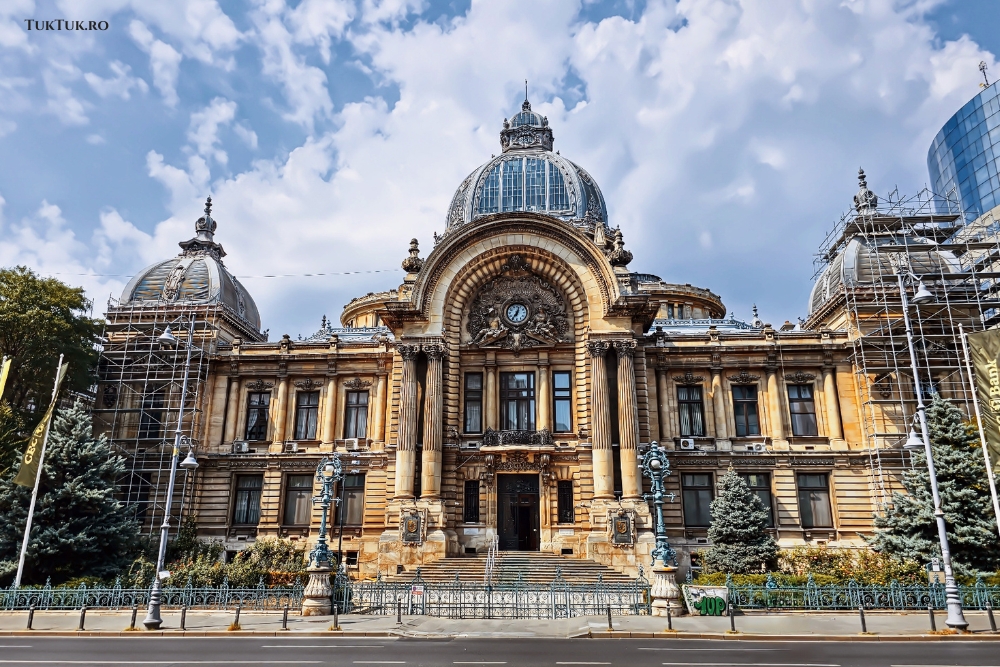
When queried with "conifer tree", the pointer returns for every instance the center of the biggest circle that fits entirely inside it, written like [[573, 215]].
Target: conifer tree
[[908, 529], [79, 529], [740, 541]]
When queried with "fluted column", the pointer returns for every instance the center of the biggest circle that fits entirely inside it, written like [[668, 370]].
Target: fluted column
[[329, 433], [378, 425], [544, 399], [281, 411], [834, 429], [719, 405], [430, 476], [628, 419], [604, 478], [663, 403], [774, 405], [407, 446], [232, 411], [491, 392]]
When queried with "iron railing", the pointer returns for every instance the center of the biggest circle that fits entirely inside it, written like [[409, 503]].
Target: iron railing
[[260, 597], [853, 595], [513, 599]]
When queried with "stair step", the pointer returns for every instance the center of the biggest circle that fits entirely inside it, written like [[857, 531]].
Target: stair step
[[537, 568]]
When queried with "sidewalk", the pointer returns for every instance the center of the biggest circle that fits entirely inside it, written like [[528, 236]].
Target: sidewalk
[[805, 626]]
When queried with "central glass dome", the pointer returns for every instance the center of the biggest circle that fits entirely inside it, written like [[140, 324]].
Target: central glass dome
[[528, 176]]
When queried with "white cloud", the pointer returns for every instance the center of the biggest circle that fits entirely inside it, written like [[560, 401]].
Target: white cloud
[[244, 132], [319, 22], [204, 129], [6, 127], [119, 85], [61, 101], [164, 61], [12, 33]]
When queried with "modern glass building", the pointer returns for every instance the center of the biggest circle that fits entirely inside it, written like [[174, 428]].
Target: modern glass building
[[964, 158]]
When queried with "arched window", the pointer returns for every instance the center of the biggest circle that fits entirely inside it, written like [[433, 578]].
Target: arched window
[[489, 199], [558, 197]]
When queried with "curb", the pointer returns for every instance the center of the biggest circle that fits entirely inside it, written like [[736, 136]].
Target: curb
[[740, 636]]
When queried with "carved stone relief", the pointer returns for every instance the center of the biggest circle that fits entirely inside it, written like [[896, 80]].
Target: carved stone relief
[[689, 378], [308, 383], [357, 383], [517, 310], [799, 377], [260, 385], [744, 377]]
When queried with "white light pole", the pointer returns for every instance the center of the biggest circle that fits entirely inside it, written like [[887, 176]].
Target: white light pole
[[955, 619], [153, 620]]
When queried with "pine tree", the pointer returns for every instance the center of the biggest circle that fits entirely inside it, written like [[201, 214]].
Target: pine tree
[[740, 541], [79, 529], [908, 529]]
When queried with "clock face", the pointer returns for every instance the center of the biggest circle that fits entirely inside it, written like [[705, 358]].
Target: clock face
[[517, 313]]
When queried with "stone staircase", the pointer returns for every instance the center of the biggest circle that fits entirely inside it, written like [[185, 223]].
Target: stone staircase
[[533, 567]]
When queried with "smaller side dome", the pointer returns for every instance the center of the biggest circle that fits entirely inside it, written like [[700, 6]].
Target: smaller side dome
[[526, 129]]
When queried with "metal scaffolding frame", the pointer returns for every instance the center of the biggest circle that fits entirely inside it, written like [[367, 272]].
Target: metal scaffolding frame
[[895, 236], [139, 398]]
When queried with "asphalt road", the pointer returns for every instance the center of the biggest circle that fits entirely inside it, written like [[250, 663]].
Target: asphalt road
[[508, 651]]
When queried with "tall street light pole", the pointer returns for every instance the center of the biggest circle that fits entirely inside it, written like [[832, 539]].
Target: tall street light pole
[[955, 619], [317, 596], [664, 591], [153, 620]]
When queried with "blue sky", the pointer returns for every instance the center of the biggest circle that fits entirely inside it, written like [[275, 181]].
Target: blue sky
[[725, 134]]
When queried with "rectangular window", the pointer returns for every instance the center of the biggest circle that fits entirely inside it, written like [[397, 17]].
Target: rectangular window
[[697, 495], [745, 410], [298, 500], [802, 408], [306, 414], [565, 502], [246, 510], [258, 404], [534, 185], [513, 185], [760, 484], [356, 414], [473, 402], [561, 402], [489, 198], [353, 506], [517, 401], [814, 501], [470, 509], [692, 412], [558, 197], [151, 413]]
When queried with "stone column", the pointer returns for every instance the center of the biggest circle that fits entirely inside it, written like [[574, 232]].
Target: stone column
[[774, 405], [719, 405], [430, 475], [835, 431], [604, 477], [407, 445], [378, 422], [491, 391], [329, 433], [628, 419], [544, 398], [232, 411], [663, 403], [281, 411]]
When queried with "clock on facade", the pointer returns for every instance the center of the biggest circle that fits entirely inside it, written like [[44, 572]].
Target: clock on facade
[[517, 313]]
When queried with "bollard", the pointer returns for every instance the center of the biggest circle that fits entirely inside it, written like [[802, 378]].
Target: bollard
[[239, 607], [399, 612], [184, 615], [930, 614], [336, 615], [989, 614], [83, 616], [284, 618], [670, 622], [611, 628], [31, 616], [864, 626], [732, 618], [135, 610]]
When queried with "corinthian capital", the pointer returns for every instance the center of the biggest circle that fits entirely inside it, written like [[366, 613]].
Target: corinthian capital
[[434, 351], [408, 352], [625, 348], [597, 348]]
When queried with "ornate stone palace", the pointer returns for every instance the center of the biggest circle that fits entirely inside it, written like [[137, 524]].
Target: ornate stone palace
[[506, 389]]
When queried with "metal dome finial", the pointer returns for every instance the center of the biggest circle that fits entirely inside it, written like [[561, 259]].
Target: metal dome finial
[[205, 226], [865, 201], [208, 205]]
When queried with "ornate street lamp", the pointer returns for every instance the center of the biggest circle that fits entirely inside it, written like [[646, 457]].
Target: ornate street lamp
[[316, 598], [664, 590]]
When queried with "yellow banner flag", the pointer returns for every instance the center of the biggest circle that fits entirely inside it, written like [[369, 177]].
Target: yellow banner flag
[[984, 347], [28, 473], [4, 372]]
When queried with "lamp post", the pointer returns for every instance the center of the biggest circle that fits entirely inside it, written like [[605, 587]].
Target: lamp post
[[153, 620], [664, 590], [955, 619], [316, 596]]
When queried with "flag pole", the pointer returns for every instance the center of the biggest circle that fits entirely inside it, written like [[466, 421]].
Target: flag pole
[[38, 478], [982, 433]]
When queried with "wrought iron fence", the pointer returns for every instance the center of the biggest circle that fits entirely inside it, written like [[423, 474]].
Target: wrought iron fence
[[853, 595], [513, 599], [260, 597]]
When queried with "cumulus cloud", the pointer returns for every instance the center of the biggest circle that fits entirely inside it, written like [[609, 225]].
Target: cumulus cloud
[[119, 85], [204, 129], [164, 61], [57, 77]]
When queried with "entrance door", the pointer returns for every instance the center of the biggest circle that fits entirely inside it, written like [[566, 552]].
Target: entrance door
[[517, 514]]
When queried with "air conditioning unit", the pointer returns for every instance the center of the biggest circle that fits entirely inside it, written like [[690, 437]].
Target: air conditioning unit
[[350, 443], [687, 443], [758, 447], [292, 447], [469, 445], [241, 446]]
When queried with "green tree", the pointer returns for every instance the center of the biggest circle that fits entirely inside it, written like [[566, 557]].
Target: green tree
[[12, 437], [740, 541], [908, 529], [41, 318], [79, 529]]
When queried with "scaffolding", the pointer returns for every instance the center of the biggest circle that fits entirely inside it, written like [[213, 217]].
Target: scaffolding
[[928, 240], [138, 399]]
